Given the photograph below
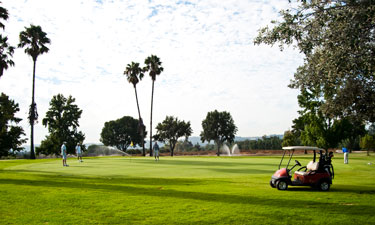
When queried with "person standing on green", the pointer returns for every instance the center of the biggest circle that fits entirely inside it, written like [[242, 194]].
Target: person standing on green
[[346, 155], [156, 151], [79, 152], [63, 153]]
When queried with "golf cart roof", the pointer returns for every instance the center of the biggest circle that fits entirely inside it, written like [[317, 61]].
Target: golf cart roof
[[302, 148]]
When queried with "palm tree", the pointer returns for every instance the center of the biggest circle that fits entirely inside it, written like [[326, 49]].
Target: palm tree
[[35, 41], [153, 65], [6, 51], [134, 74]]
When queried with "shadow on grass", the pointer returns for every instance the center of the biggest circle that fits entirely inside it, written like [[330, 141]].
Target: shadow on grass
[[122, 186]]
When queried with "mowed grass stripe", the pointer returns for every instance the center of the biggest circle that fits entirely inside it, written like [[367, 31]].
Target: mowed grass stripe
[[183, 190]]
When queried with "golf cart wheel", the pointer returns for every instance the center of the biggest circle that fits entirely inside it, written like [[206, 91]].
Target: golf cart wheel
[[324, 185], [272, 185], [282, 185]]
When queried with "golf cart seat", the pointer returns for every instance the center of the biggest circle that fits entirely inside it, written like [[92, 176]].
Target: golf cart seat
[[311, 166]]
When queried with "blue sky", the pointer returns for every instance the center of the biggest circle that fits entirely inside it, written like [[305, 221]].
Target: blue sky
[[207, 50]]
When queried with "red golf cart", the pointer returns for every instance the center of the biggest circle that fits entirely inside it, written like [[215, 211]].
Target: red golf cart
[[315, 174]]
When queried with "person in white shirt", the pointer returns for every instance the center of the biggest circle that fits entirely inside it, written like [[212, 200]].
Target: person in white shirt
[[63, 153], [79, 152]]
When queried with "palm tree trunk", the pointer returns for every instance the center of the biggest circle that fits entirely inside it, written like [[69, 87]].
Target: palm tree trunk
[[32, 152], [152, 103], [136, 98], [140, 119]]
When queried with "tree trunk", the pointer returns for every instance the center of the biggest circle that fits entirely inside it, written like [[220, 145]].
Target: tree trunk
[[32, 119], [172, 146], [218, 149], [152, 103], [136, 98], [140, 119]]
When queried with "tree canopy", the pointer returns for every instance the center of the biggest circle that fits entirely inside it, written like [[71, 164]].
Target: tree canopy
[[315, 128], [62, 121], [10, 133], [34, 39], [171, 129], [218, 127], [338, 41], [6, 51], [368, 143], [121, 133]]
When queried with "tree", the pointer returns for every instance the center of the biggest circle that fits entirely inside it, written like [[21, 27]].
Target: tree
[[6, 51], [134, 74], [10, 133], [153, 65], [121, 133], [35, 41], [289, 139], [62, 121], [316, 128], [337, 39], [170, 130], [219, 127], [368, 143]]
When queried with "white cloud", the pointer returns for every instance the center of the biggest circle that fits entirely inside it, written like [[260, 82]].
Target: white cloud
[[206, 48]]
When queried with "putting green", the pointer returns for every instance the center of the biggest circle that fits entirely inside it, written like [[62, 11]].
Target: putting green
[[205, 190]]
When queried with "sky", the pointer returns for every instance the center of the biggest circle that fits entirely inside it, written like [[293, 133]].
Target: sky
[[205, 46]]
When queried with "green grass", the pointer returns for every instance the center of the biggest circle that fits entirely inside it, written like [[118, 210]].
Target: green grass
[[179, 190]]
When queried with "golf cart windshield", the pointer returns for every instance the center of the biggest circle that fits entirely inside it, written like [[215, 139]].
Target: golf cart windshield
[[291, 150]]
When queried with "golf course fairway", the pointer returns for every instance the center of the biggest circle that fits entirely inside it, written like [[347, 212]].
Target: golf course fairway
[[180, 190]]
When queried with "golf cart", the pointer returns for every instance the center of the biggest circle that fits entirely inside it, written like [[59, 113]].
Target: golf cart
[[315, 174]]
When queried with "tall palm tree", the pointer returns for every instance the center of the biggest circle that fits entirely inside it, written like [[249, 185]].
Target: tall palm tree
[[153, 65], [134, 74], [35, 40], [6, 51]]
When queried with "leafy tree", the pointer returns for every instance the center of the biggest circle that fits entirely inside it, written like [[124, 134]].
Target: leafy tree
[[219, 127], [265, 143], [184, 146], [316, 128], [368, 143], [371, 129], [121, 133], [6, 51], [3, 16], [35, 40], [337, 39], [134, 74], [170, 130], [62, 122], [153, 65], [289, 139], [10, 133]]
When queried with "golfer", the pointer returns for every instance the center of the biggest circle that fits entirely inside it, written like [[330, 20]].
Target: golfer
[[156, 151], [63, 153], [346, 155], [79, 152]]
